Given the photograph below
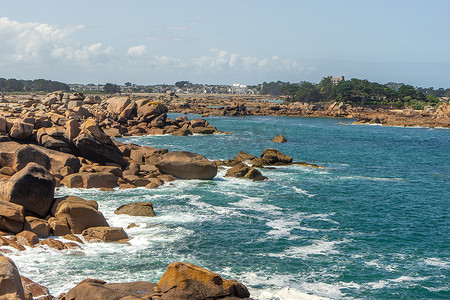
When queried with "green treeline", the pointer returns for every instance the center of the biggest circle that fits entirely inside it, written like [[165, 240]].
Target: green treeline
[[37, 85], [357, 92]]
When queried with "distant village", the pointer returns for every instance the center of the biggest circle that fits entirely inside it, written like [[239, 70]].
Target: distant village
[[185, 88]]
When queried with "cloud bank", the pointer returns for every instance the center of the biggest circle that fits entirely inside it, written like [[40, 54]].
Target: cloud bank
[[44, 46]]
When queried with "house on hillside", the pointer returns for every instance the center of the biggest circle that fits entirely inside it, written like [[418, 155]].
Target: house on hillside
[[336, 80]]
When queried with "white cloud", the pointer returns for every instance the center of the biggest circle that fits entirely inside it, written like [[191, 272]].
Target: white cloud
[[137, 50], [31, 42]]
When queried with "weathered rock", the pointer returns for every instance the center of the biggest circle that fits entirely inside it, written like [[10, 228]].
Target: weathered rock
[[52, 243], [279, 139], [187, 165], [188, 281], [58, 227], [144, 209], [147, 110], [118, 104], [11, 243], [199, 123], [35, 289], [90, 180], [11, 217], [93, 289], [27, 238], [154, 183], [33, 187], [10, 283], [95, 145], [72, 129], [8, 171], [78, 213], [274, 157], [242, 170], [104, 234], [38, 226], [21, 131]]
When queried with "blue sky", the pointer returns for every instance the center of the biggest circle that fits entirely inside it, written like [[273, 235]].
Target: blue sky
[[224, 42]]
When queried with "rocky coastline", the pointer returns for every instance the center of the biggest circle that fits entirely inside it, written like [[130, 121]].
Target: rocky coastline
[[67, 140], [265, 106]]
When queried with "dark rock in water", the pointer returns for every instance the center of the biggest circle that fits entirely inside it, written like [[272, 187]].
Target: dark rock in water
[[33, 187], [242, 170], [95, 145], [188, 281], [304, 164], [279, 139], [144, 209], [274, 157], [187, 165]]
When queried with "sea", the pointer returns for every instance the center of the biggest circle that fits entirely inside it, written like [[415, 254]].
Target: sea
[[374, 223]]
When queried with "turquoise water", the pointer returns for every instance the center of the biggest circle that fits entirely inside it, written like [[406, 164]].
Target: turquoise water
[[373, 225]]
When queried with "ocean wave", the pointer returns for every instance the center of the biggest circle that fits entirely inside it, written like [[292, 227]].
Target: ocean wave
[[357, 177]]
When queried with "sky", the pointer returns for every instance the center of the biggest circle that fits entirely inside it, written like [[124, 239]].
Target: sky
[[225, 42]]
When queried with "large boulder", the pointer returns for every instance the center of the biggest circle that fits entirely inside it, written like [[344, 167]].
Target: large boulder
[[274, 157], [21, 131], [33, 187], [148, 110], [144, 209], [11, 217], [10, 283], [95, 145], [36, 290], [118, 104], [17, 156], [78, 213], [104, 234], [90, 180], [94, 289], [38, 226], [188, 281], [187, 165]]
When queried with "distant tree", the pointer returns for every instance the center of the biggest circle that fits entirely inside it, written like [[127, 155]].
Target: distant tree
[[110, 88], [181, 84], [307, 92], [289, 89], [127, 84], [406, 90]]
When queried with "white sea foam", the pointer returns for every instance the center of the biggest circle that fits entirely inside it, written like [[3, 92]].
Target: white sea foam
[[371, 178], [320, 247], [302, 192], [286, 293], [437, 262]]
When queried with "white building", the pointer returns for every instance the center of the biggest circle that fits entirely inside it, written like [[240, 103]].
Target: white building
[[238, 88]]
